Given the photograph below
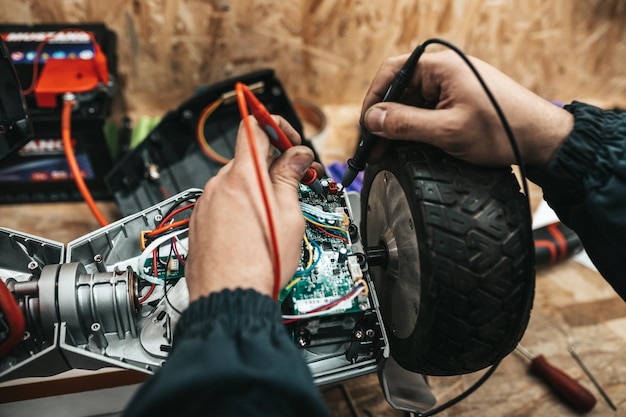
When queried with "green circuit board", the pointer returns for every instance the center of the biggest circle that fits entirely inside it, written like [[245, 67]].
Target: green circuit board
[[328, 269]]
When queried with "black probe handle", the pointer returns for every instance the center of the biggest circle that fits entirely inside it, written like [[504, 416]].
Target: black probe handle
[[565, 386], [367, 140]]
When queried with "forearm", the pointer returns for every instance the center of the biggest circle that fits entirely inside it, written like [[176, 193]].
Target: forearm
[[231, 356], [586, 185]]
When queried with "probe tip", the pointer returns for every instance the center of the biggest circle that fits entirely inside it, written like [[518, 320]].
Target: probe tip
[[348, 176]]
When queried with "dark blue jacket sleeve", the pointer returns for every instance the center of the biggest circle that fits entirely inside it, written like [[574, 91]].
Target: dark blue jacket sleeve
[[231, 357], [586, 186]]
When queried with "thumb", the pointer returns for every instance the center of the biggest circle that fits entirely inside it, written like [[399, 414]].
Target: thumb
[[287, 170], [399, 121]]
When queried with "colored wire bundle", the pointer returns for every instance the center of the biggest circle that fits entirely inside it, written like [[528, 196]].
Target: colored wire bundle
[[320, 214], [153, 249], [320, 219], [331, 231]]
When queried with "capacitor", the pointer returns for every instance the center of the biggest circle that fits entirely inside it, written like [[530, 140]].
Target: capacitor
[[343, 255]]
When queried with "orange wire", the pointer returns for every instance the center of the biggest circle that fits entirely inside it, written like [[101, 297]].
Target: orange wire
[[202, 141], [168, 227], [243, 109], [66, 134]]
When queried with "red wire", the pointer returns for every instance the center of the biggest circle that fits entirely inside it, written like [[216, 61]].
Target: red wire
[[155, 269], [66, 134], [175, 247], [321, 229], [243, 109], [175, 212], [148, 294]]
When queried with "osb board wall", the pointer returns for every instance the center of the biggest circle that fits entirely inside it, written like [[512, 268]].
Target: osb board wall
[[329, 50]]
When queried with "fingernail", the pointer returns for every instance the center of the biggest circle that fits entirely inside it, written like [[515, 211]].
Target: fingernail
[[375, 118], [300, 162]]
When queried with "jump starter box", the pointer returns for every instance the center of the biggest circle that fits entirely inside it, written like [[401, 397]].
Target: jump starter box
[[39, 170]]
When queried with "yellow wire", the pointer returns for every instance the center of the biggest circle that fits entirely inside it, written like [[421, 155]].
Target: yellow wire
[[292, 283], [202, 141], [310, 250], [325, 226]]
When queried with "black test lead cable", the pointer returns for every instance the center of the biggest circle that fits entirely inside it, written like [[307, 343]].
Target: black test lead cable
[[368, 140]]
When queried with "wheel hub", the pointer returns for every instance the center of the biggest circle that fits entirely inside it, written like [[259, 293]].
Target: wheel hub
[[389, 223]]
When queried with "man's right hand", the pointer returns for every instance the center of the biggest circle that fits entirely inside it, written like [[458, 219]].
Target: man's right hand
[[444, 105]]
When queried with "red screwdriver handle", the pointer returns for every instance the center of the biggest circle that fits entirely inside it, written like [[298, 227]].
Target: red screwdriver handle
[[564, 385]]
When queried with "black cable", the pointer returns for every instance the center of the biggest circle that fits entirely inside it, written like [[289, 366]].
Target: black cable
[[462, 395], [411, 64], [192, 196], [168, 300]]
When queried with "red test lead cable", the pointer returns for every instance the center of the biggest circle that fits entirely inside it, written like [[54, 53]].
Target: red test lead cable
[[243, 109], [276, 135]]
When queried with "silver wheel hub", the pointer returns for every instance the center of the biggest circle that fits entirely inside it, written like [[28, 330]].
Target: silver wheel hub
[[390, 224]]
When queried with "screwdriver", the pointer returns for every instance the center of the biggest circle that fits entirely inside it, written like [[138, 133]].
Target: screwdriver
[[276, 135], [562, 384]]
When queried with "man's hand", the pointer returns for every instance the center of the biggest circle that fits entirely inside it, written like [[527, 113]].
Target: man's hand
[[445, 106], [228, 238]]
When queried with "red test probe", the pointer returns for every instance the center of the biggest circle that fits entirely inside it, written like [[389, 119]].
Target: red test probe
[[276, 135]]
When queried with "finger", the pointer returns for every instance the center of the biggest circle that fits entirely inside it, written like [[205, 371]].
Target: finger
[[291, 133], [243, 151], [319, 169], [398, 121], [287, 170]]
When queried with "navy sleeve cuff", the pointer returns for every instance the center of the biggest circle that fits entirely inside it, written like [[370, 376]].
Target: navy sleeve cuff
[[586, 160], [231, 310]]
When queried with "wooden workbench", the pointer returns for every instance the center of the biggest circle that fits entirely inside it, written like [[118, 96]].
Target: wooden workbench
[[569, 299]]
